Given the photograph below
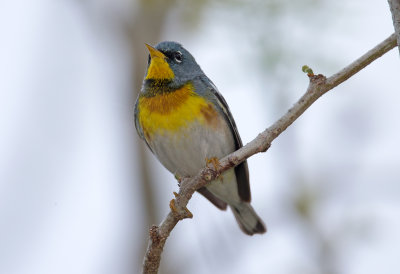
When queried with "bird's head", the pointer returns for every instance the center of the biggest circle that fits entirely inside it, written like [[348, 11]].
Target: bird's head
[[170, 64]]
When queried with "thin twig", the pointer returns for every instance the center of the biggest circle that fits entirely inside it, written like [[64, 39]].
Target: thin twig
[[318, 86]]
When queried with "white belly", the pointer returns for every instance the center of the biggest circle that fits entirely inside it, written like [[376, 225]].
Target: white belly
[[185, 153]]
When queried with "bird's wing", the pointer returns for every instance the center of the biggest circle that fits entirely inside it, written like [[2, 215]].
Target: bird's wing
[[241, 171]]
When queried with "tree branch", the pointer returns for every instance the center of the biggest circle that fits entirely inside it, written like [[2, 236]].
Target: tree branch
[[395, 10], [318, 86]]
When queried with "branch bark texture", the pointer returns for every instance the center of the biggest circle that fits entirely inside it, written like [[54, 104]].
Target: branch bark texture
[[318, 86], [395, 10]]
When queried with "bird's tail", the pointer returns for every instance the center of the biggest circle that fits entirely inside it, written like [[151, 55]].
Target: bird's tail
[[248, 219]]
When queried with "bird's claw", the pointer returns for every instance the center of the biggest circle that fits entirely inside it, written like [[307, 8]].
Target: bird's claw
[[215, 164]]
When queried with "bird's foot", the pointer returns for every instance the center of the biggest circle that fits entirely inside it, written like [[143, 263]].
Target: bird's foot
[[214, 162], [216, 165]]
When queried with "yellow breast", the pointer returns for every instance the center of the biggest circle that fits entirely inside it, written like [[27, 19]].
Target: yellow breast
[[173, 110]]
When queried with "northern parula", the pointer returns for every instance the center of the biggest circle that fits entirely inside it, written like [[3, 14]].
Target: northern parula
[[184, 120]]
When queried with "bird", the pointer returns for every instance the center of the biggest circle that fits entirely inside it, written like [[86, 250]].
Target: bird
[[187, 124]]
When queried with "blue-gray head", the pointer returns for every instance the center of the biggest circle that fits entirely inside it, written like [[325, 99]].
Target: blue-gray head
[[171, 64]]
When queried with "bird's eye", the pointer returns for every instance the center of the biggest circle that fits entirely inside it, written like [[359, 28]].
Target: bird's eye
[[178, 56]]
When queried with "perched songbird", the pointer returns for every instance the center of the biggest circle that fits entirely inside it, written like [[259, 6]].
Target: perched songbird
[[185, 122]]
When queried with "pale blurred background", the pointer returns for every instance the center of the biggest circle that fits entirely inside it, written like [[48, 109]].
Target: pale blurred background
[[79, 191]]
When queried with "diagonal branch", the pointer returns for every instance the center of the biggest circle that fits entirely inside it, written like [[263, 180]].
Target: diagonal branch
[[318, 86]]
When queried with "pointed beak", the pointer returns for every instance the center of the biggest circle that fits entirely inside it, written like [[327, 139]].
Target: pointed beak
[[155, 52]]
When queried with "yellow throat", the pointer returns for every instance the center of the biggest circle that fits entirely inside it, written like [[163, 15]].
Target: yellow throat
[[159, 68]]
